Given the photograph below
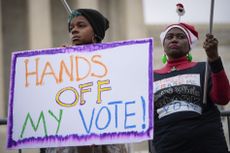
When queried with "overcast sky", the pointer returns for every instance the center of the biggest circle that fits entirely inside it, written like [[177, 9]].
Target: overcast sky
[[196, 11]]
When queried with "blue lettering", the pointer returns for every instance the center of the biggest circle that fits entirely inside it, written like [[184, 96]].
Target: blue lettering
[[84, 123], [128, 115], [176, 105], [166, 108], [108, 121], [116, 110]]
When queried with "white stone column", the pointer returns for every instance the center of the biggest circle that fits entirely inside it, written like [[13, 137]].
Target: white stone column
[[117, 29], [126, 20], [87, 4], [40, 35], [134, 18], [2, 100]]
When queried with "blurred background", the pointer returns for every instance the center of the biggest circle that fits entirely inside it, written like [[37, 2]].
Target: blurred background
[[36, 24]]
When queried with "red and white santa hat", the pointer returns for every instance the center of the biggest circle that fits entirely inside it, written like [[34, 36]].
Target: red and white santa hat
[[189, 30]]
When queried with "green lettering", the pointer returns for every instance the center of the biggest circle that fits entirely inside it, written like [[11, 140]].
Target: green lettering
[[58, 120], [28, 117]]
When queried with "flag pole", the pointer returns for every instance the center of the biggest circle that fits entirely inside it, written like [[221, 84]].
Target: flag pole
[[211, 16], [206, 66], [68, 9]]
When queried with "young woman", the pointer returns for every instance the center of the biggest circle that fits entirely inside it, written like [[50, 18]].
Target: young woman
[[87, 26], [183, 122]]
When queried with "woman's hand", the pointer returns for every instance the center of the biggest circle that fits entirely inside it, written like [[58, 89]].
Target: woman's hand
[[211, 47]]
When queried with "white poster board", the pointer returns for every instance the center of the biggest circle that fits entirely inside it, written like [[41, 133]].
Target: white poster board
[[81, 95]]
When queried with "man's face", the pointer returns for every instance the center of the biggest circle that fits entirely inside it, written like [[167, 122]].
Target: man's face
[[81, 32], [176, 44]]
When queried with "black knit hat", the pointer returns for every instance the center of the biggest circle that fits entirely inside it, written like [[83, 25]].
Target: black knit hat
[[98, 22]]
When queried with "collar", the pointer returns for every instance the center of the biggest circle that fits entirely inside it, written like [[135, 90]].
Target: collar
[[176, 65]]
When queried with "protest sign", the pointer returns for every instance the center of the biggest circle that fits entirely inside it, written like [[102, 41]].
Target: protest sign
[[81, 95]]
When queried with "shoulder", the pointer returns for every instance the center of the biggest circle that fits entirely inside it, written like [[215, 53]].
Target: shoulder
[[161, 70]]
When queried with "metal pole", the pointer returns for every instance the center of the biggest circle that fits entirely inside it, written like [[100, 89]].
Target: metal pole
[[3, 121], [211, 16], [129, 148], [228, 128], [69, 11], [150, 145], [206, 65]]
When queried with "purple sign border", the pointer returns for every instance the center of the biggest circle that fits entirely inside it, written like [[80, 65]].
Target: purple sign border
[[84, 48]]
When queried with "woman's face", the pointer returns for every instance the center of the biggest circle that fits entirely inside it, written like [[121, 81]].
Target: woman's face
[[81, 32], [176, 44]]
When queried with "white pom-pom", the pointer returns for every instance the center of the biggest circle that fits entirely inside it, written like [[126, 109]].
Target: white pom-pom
[[180, 9]]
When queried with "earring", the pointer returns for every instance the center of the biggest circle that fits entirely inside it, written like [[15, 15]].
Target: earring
[[189, 57], [98, 38], [164, 59]]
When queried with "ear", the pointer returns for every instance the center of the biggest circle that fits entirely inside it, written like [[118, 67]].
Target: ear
[[94, 40]]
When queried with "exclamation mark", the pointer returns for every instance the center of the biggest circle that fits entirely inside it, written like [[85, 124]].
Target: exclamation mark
[[143, 106]]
